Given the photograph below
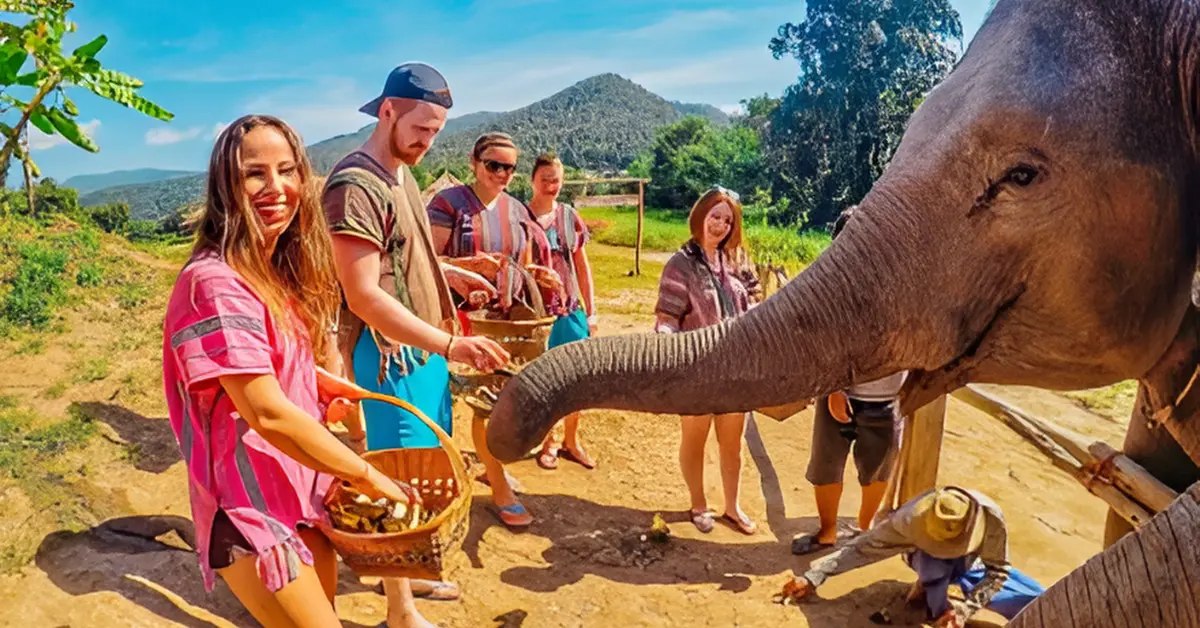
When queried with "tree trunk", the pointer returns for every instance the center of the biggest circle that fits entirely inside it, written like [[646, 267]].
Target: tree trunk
[[28, 173], [1149, 578]]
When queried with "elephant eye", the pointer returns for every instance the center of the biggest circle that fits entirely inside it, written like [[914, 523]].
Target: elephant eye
[[1021, 175]]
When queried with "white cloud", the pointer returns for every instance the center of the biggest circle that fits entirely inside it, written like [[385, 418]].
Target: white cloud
[[159, 137], [41, 141], [217, 128], [316, 111], [732, 110]]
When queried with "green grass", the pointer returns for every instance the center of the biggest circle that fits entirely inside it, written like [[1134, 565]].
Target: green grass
[[90, 275], [133, 295], [24, 446], [664, 230], [36, 455], [92, 370], [1115, 402]]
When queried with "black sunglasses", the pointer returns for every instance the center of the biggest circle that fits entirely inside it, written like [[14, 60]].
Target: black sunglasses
[[494, 166]]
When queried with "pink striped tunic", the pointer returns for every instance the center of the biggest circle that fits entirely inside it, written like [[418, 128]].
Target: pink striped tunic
[[216, 326]]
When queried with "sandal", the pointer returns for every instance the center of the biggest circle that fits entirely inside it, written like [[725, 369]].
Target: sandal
[[808, 543], [580, 457], [438, 590], [513, 515], [746, 525], [548, 459], [702, 520]]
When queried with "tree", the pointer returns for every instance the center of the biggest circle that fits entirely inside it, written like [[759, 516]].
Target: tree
[[111, 217], [47, 105], [692, 155], [865, 65]]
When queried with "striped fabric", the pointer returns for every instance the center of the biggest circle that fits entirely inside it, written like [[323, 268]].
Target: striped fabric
[[215, 326], [564, 237], [687, 293], [474, 228]]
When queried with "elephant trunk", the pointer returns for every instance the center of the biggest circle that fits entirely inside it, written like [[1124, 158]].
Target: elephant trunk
[[825, 330]]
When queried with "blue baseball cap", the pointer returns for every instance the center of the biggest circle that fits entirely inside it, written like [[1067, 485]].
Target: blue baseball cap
[[416, 81]]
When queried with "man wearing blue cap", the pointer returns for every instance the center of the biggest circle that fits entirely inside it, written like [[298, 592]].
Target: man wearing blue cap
[[397, 325]]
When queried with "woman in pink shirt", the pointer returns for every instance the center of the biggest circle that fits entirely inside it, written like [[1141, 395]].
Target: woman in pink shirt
[[249, 314]]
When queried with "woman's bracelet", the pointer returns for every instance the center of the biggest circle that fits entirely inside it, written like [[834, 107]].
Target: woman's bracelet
[[592, 318], [449, 345]]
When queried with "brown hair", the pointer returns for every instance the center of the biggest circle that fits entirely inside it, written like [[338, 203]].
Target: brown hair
[[491, 140], [704, 205], [299, 273], [545, 160]]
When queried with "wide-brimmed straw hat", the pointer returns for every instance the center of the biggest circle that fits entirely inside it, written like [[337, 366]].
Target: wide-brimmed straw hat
[[947, 523]]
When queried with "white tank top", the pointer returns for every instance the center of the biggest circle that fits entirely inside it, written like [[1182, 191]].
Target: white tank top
[[884, 389]]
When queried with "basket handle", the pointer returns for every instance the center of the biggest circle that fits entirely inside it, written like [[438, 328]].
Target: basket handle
[[354, 392]]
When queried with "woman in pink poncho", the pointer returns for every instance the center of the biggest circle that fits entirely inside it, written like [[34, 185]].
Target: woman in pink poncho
[[250, 313]]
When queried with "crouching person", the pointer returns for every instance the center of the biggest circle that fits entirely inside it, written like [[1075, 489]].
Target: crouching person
[[948, 536]]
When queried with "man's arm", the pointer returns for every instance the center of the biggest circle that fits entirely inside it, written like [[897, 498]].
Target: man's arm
[[356, 261], [993, 553], [879, 543]]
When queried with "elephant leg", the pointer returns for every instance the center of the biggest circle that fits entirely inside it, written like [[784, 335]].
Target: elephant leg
[[1154, 448], [1148, 578]]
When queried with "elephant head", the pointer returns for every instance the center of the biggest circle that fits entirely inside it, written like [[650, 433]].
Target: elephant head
[[1036, 225]]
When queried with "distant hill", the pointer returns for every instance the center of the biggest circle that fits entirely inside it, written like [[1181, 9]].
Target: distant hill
[[91, 182], [714, 114], [599, 124]]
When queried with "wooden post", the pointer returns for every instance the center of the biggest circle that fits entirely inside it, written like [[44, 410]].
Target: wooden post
[[925, 450], [916, 466], [637, 252]]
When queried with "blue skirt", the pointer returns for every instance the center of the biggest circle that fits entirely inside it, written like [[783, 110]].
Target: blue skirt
[[569, 328], [426, 386]]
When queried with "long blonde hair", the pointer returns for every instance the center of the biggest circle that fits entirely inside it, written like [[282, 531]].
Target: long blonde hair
[[298, 276]]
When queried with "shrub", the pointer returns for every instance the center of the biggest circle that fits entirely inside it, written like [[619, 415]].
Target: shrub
[[37, 287]]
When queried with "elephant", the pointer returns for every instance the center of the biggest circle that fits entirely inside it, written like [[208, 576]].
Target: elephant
[[1036, 225]]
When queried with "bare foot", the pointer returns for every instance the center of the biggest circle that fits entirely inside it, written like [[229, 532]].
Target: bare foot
[[408, 620]]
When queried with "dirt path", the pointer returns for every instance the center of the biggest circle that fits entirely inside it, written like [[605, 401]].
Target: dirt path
[[582, 563]]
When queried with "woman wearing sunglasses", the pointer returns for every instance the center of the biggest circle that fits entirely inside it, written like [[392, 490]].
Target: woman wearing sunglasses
[[482, 218]]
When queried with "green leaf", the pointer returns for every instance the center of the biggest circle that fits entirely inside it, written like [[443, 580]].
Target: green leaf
[[113, 77], [10, 63], [70, 130], [31, 79], [89, 50], [38, 118], [69, 107], [149, 108]]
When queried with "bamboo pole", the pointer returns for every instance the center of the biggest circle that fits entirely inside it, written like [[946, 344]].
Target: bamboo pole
[[1133, 479], [1129, 489]]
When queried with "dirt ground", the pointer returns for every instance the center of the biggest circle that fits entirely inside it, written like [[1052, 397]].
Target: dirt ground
[[582, 563]]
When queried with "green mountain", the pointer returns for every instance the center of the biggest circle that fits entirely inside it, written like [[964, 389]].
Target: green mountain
[[598, 124], [91, 182]]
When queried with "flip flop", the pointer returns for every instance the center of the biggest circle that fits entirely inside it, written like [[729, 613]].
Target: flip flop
[[548, 460], [808, 544], [441, 590], [513, 515], [746, 526], [583, 459], [702, 520]]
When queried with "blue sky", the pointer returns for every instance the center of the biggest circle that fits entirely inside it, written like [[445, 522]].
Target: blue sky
[[314, 63]]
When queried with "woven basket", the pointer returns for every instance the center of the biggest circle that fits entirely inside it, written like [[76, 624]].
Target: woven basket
[[523, 340], [418, 552]]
